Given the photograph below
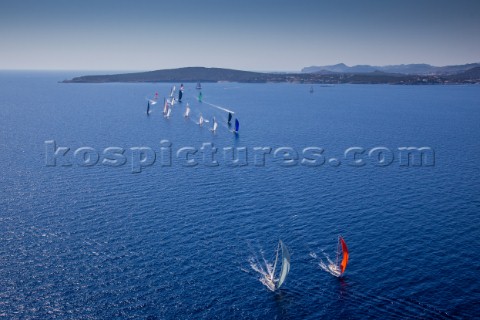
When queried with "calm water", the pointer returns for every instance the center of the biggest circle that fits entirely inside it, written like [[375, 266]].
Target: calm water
[[177, 242]]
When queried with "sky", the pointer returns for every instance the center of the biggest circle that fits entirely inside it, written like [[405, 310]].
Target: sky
[[270, 35]]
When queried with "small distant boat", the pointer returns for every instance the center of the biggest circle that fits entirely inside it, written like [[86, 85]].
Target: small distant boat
[[148, 108], [338, 269], [215, 125], [199, 86], [172, 92], [200, 96], [237, 126], [311, 89], [272, 282], [187, 111], [169, 112], [165, 107], [180, 93], [200, 121], [229, 122]]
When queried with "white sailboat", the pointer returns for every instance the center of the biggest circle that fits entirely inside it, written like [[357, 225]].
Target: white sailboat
[[169, 112], [187, 110], [270, 280], [200, 121], [215, 125], [165, 107]]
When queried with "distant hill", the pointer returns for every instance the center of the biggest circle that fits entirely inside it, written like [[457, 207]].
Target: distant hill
[[417, 69], [189, 74], [471, 75], [201, 74]]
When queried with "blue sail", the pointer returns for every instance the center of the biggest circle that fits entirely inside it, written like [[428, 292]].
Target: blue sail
[[237, 125], [180, 94]]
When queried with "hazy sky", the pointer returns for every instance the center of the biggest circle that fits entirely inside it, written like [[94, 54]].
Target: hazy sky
[[243, 34]]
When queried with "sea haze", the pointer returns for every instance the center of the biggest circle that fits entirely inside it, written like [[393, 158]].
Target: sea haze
[[177, 242]]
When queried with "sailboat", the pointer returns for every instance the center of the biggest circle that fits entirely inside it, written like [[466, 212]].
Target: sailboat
[[338, 268], [200, 97], [148, 108], [180, 94], [311, 89], [199, 86], [215, 125], [271, 281], [237, 126], [187, 111], [229, 118], [165, 106], [169, 112], [200, 121]]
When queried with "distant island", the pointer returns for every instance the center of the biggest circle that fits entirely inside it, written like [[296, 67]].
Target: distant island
[[337, 74]]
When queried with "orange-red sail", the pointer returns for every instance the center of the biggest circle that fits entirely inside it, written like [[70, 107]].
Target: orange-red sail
[[343, 264]]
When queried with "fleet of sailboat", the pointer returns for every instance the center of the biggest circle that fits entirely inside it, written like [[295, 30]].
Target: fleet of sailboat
[[170, 101], [275, 276]]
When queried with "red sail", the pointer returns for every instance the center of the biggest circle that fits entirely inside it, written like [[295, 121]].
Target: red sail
[[343, 264]]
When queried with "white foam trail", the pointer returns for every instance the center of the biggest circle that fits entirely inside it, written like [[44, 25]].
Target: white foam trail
[[328, 266], [265, 270], [215, 106], [218, 107], [152, 102]]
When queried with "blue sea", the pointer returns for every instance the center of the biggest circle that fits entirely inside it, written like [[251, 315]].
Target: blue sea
[[185, 236]]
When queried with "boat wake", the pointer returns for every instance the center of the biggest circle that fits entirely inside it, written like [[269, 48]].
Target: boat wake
[[264, 269], [326, 264]]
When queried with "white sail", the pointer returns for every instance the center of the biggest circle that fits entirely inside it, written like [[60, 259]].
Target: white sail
[[215, 125], [200, 121], [285, 265], [187, 111], [169, 112]]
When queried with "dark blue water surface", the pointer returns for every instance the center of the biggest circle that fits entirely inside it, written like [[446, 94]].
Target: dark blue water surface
[[177, 242]]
